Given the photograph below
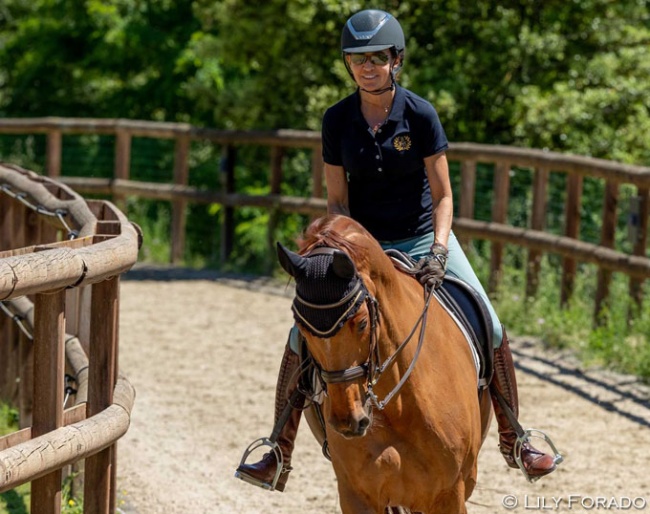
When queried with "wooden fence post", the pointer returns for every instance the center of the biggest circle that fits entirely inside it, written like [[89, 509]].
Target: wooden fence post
[[53, 156], [49, 360], [636, 285], [181, 173], [607, 232], [122, 162], [7, 329], [102, 375], [32, 235], [467, 193], [26, 386], [571, 229], [499, 215], [537, 222], [317, 170], [277, 158], [7, 335], [228, 156]]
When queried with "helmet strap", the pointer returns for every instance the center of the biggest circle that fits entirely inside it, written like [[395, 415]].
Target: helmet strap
[[383, 90]]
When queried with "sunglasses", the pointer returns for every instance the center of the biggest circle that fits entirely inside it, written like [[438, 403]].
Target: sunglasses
[[378, 59]]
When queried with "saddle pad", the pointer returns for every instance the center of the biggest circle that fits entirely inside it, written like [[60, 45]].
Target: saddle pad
[[470, 309]]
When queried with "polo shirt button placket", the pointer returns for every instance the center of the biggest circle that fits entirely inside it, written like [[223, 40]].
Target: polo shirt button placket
[[378, 156]]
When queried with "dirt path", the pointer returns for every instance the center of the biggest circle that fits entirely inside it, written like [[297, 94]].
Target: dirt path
[[202, 352]]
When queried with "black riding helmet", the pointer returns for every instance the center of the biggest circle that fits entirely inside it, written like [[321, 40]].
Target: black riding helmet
[[373, 30]]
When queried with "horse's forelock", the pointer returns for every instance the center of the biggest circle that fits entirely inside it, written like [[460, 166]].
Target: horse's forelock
[[334, 232]]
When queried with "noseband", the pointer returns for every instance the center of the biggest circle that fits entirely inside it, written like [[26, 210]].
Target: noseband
[[373, 368]]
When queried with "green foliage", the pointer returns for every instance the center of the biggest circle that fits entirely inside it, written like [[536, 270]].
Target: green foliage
[[8, 419], [153, 218], [95, 58], [69, 503], [614, 342], [569, 76], [15, 501]]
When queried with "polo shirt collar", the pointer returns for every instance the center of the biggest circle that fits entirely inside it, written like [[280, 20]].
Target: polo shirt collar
[[397, 111]]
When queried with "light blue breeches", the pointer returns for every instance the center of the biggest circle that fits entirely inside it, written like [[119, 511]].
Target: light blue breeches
[[457, 265]]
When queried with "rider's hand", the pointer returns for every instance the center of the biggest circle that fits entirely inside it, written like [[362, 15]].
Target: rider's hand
[[430, 269]]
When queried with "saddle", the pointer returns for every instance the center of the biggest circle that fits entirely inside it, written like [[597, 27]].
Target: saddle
[[468, 308]]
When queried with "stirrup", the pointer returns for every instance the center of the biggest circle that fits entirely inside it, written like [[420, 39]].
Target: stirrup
[[525, 438], [275, 448]]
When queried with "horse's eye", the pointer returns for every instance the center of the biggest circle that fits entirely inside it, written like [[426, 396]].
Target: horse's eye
[[363, 324]]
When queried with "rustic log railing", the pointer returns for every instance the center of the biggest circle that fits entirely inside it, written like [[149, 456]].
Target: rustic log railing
[[505, 159], [60, 263]]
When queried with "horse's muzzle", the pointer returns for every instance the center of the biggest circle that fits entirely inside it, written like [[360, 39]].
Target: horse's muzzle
[[356, 424]]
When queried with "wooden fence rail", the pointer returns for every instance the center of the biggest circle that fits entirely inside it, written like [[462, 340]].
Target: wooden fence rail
[[60, 262], [505, 159]]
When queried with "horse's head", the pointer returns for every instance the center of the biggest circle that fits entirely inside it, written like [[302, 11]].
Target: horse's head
[[337, 316]]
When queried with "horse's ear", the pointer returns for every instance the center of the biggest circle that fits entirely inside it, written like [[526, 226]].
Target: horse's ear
[[343, 265], [291, 262]]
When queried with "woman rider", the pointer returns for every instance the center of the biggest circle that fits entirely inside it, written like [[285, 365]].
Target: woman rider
[[385, 166]]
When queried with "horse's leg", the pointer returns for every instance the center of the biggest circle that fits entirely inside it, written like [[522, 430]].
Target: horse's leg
[[451, 501], [352, 502], [470, 477]]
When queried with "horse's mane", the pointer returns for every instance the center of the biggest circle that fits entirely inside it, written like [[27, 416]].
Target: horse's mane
[[333, 231], [349, 236]]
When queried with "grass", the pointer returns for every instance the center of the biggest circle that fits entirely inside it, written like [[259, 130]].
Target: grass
[[15, 501], [18, 500], [618, 340]]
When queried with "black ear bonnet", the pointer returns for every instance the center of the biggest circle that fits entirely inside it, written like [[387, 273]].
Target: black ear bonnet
[[328, 289]]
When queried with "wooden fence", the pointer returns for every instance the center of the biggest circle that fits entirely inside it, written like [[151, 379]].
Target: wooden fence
[[60, 263], [542, 164]]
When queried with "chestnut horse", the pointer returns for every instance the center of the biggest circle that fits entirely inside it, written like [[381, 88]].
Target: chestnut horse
[[405, 418]]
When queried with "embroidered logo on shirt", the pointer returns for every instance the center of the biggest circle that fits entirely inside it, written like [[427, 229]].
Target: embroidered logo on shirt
[[402, 143]]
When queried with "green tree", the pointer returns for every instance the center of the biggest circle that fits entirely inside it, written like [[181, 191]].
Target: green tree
[[569, 76], [95, 58]]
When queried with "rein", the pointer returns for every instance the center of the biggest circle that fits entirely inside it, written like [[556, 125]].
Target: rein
[[376, 371], [373, 368]]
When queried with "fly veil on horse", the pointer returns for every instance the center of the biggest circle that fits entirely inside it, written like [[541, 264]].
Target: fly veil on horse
[[405, 418]]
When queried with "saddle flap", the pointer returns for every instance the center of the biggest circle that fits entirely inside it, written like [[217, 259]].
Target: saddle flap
[[470, 309]]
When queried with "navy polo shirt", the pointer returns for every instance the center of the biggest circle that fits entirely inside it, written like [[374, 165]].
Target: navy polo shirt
[[388, 190]]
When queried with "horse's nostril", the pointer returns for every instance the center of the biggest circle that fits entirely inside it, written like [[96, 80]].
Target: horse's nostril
[[364, 423]]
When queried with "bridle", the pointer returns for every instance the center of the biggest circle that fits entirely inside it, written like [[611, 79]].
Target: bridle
[[373, 368]]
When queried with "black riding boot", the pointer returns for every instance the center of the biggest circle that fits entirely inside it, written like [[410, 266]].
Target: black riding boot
[[289, 402], [536, 463]]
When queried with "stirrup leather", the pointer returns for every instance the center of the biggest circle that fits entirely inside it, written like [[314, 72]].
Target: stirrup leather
[[275, 448], [525, 437]]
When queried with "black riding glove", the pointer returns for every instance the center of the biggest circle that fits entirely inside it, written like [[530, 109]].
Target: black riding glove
[[430, 269]]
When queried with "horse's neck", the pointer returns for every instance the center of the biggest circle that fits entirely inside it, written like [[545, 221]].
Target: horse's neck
[[402, 319], [401, 308], [401, 305]]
